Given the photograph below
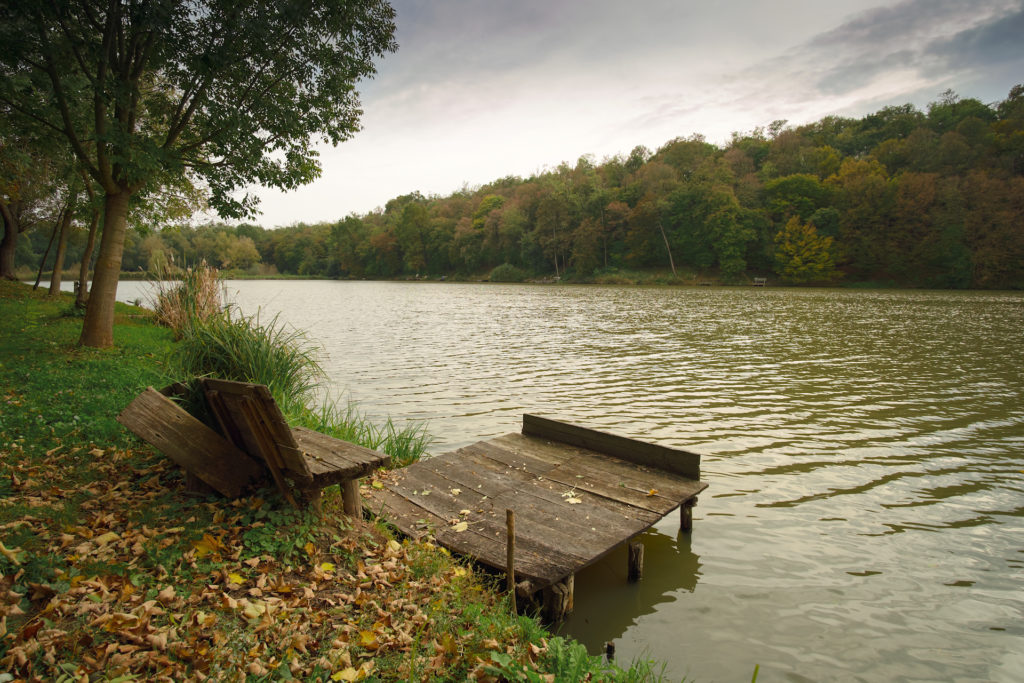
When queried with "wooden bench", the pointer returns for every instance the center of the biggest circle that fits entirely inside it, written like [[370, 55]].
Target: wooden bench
[[250, 418], [254, 438]]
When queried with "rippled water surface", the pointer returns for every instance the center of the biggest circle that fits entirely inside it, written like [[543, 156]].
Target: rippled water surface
[[865, 452]]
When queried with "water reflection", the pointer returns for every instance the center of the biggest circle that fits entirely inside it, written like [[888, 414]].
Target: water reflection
[[607, 604]]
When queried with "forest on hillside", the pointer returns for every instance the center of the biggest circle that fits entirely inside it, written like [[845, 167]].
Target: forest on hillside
[[899, 197]]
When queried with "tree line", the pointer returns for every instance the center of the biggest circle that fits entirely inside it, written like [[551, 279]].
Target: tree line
[[901, 196]]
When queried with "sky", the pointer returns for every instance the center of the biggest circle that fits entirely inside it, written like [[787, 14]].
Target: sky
[[483, 89]]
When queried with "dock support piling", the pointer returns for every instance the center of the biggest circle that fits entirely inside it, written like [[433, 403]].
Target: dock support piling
[[559, 600], [609, 651], [686, 514], [636, 561], [510, 555]]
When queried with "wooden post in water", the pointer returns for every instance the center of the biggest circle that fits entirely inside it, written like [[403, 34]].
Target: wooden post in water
[[686, 514], [558, 599], [636, 561], [510, 555]]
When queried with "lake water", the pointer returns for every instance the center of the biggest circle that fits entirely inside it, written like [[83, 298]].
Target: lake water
[[865, 451]]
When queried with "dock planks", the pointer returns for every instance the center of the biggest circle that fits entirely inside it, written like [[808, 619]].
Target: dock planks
[[576, 494]]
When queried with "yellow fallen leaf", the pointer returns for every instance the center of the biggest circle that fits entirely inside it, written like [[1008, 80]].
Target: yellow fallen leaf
[[652, 492], [464, 512], [368, 640], [573, 500], [106, 538], [456, 492], [208, 544], [327, 566], [10, 553], [460, 527], [236, 578], [377, 484]]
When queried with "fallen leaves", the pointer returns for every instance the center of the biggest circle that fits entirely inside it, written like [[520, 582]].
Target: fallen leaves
[[142, 582]]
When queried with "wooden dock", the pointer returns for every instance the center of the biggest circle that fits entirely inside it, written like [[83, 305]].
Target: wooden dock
[[576, 494]]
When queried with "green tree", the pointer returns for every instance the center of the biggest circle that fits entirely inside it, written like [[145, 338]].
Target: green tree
[[802, 255], [233, 93]]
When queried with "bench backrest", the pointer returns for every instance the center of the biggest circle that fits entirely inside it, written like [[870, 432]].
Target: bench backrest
[[252, 420]]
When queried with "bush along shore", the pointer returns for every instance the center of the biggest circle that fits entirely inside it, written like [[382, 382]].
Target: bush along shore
[[109, 570]]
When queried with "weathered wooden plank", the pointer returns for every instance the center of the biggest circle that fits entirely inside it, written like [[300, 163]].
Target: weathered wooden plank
[[332, 461], [536, 563], [615, 479], [473, 469], [554, 454], [626, 486], [166, 426], [653, 455], [585, 530], [234, 395], [557, 490]]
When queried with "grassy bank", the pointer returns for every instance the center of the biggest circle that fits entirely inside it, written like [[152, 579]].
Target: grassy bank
[[109, 570]]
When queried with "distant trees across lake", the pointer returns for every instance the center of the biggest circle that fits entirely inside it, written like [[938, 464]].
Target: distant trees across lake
[[904, 197]]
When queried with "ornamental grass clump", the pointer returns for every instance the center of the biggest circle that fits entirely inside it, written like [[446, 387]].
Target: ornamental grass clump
[[243, 348], [194, 296]]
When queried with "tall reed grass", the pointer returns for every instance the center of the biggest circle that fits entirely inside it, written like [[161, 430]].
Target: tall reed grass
[[193, 295]]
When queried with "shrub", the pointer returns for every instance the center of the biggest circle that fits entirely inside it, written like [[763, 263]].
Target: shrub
[[506, 272]]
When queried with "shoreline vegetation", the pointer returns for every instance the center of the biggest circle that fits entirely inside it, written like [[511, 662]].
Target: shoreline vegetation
[[110, 571]]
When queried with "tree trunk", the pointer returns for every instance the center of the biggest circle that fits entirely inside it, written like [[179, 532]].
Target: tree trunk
[[90, 244], [668, 249], [10, 241], [62, 248], [46, 254], [98, 327]]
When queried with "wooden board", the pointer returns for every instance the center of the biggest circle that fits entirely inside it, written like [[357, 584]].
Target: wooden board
[[167, 427], [332, 461], [572, 503], [253, 421], [642, 453]]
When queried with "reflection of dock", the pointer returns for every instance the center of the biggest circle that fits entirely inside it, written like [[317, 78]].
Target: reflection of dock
[[576, 495], [607, 606]]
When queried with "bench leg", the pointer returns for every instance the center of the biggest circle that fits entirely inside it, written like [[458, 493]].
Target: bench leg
[[350, 498]]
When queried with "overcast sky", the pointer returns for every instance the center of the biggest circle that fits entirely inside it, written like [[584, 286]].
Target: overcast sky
[[482, 89]]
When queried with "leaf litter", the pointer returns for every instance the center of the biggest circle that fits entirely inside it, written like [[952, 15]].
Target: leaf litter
[[136, 580]]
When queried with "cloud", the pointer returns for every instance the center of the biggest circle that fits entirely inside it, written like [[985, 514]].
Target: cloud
[[998, 41], [932, 38]]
